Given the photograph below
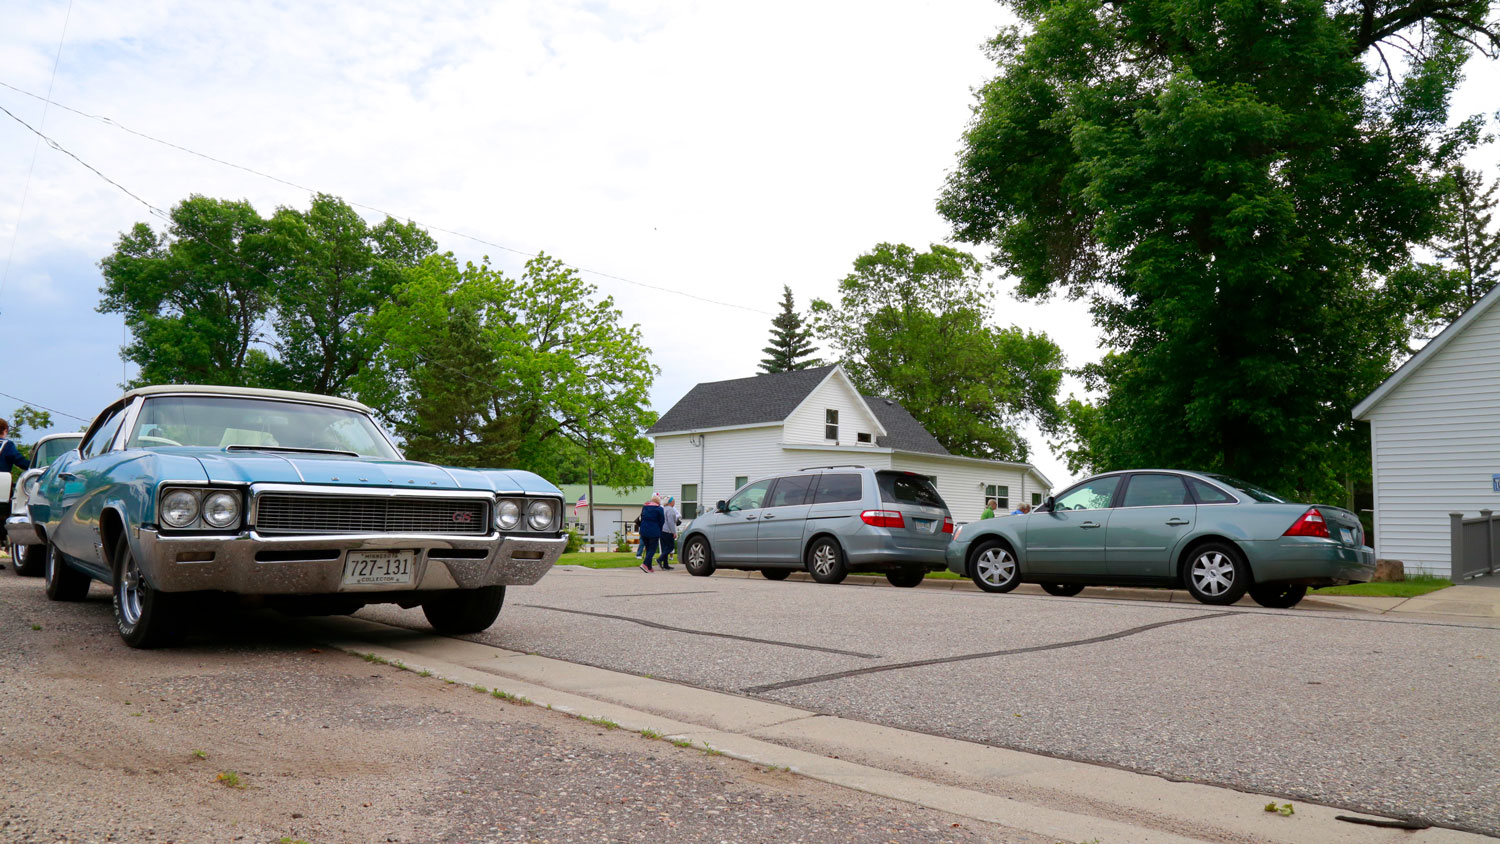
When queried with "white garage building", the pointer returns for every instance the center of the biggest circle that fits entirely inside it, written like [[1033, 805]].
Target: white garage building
[[1435, 439], [723, 434]]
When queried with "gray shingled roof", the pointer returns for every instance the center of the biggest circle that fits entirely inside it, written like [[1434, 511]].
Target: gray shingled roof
[[903, 431], [742, 401]]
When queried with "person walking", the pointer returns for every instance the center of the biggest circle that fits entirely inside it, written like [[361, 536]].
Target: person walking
[[10, 458], [652, 517], [989, 509], [640, 544], [672, 519]]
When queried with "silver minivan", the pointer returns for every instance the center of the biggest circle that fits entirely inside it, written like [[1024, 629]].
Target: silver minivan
[[828, 521]]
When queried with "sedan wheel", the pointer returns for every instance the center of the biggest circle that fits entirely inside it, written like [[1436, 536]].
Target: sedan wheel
[[825, 562], [145, 617], [64, 583], [994, 568], [1216, 574], [698, 557], [1277, 596]]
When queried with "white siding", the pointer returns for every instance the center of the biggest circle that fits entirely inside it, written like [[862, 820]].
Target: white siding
[[749, 452], [1435, 442], [961, 482], [805, 425]]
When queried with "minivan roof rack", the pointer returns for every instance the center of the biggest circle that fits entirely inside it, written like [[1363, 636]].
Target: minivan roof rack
[[839, 466]]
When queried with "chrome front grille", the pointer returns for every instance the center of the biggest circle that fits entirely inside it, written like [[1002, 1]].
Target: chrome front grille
[[278, 512]]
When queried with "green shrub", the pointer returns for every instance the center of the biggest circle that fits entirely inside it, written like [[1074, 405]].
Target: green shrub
[[622, 545], [575, 540]]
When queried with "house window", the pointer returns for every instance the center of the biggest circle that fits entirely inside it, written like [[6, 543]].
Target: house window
[[740, 481], [831, 424], [689, 501], [998, 493], [864, 438], [1036, 499]]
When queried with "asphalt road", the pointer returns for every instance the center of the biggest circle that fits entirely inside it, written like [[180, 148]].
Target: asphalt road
[[100, 743], [1386, 716]]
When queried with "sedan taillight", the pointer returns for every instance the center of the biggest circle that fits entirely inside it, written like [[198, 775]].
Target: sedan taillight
[[947, 525], [883, 518], [1310, 523]]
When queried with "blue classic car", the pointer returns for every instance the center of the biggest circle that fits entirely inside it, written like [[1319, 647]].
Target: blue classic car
[[1215, 536], [26, 550], [179, 492]]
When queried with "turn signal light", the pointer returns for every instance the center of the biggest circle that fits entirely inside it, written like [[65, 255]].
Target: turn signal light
[[947, 525], [1309, 524], [883, 518]]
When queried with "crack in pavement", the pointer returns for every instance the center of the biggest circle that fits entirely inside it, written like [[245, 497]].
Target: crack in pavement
[[659, 626], [875, 669], [654, 594]]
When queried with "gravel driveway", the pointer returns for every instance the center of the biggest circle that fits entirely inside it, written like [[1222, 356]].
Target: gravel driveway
[[249, 735]]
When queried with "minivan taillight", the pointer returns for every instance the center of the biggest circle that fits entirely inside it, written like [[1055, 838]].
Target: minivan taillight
[[883, 518], [947, 525], [1309, 524]]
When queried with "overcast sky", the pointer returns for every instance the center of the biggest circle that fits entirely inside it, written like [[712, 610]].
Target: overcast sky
[[720, 150]]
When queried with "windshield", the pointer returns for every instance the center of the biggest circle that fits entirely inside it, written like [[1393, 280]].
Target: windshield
[[52, 449], [224, 421], [1260, 494]]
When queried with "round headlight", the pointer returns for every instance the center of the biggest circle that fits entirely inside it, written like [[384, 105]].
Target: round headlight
[[539, 514], [179, 509], [222, 510], [508, 515]]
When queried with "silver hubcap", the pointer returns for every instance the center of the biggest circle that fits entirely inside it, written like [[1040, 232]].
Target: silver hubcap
[[996, 566], [130, 588], [695, 555], [824, 560], [1213, 574]]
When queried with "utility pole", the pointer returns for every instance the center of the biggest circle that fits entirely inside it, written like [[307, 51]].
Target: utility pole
[[592, 538]]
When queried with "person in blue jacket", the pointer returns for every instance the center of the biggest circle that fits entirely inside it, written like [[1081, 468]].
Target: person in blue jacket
[[652, 518], [10, 458]]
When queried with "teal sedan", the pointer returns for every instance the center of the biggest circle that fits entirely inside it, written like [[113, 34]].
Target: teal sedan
[[1217, 537]]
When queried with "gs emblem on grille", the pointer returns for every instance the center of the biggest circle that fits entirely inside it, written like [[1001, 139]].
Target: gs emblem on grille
[[462, 516]]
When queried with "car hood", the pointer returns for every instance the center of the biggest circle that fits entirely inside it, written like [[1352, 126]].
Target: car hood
[[244, 467]]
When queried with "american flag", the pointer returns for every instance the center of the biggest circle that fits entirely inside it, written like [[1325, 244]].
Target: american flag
[[583, 501]]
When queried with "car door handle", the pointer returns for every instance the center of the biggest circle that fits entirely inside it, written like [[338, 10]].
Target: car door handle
[[769, 517], [1088, 525], [750, 518], [1175, 522]]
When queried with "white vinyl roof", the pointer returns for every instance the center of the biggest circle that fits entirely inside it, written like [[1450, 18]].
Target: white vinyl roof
[[244, 392]]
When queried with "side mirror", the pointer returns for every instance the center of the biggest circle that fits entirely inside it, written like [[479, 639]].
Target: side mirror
[[722, 506], [1049, 504]]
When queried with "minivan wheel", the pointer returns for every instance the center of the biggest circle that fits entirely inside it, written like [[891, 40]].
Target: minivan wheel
[[825, 561], [906, 578], [1277, 596], [775, 574], [64, 583], [28, 560], [1216, 574], [994, 568], [698, 557], [145, 617], [1062, 590]]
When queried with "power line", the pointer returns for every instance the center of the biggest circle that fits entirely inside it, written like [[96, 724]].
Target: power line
[[43, 407], [110, 122], [15, 233]]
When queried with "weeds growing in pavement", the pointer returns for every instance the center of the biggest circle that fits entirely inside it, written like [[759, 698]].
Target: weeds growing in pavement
[[711, 751], [481, 689], [518, 700], [681, 743], [651, 734], [229, 778], [36, 627], [599, 722], [424, 673], [376, 658], [198, 754], [1285, 809]]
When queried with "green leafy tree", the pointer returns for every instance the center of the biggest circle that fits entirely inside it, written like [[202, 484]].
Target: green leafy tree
[[1229, 185], [27, 416], [791, 340], [915, 326], [194, 297], [333, 271], [1468, 250], [481, 369]]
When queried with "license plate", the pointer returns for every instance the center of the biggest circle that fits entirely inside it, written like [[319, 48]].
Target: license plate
[[378, 568], [1347, 534], [924, 524]]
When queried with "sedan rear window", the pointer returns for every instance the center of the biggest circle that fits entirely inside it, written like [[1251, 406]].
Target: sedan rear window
[[902, 488], [1260, 494]]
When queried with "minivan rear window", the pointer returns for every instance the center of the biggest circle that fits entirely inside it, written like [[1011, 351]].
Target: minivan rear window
[[839, 488], [902, 488]]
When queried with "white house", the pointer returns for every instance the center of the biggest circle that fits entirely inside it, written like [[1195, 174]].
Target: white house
[[724, 433], [1435, 439]]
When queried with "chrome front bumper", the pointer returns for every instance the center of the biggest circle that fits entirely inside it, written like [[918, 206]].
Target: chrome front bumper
[[230, 564], [20, 531]]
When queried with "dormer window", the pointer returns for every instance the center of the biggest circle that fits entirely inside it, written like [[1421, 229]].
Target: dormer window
[[864, 439], [831, 424]]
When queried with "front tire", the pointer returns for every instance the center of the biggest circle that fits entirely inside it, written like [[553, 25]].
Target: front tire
[[28, 560], [994, 568], [1277, 596], [1062, 590], [144, 617], [698, 558], [64, 583], [906, 578], [464, 610], [775, 574], [825, 561], [1216, 574]]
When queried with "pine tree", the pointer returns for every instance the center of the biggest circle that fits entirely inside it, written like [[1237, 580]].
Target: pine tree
[[1468, 244], [791, 340]]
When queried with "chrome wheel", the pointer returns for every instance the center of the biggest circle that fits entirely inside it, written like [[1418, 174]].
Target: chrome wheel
[[131, 586], [995, 566], [697, 559], [1213, 573], [695, 554], [825, 558]]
